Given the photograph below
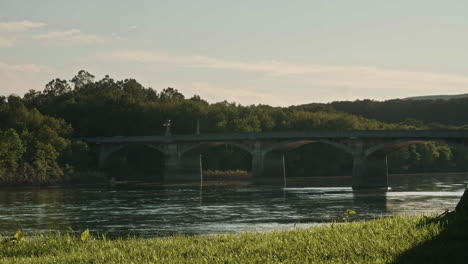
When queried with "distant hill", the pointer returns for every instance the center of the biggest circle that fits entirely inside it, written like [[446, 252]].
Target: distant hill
[[449, 110], [437, 97]]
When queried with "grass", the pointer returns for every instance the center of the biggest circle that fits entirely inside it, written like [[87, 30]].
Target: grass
[[216, 175], [399, 239]]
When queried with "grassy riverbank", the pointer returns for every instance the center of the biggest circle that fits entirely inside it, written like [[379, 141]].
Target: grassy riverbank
[[409, 239]]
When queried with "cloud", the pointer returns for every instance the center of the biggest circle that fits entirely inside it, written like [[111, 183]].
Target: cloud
[[72, 36], [19, 68], [116, 36], [356, 80], [19, 78], [19, 26], [5, 43]]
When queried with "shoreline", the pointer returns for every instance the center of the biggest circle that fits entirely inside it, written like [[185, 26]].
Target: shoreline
[[216, 181]]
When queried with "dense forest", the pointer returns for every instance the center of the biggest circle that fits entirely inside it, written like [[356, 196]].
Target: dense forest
[[38, 131]]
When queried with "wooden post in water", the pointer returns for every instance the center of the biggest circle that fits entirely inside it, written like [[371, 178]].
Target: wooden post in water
[[201, 171]]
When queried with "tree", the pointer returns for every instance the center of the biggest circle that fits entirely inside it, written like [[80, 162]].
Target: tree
[[171, 94], [11, 150], [82, 79], [57, 87]]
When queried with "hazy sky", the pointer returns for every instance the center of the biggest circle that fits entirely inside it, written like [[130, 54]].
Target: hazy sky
[[251, 52]]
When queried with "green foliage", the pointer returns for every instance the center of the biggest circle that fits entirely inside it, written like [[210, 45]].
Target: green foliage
[[18, 235], [85, 235], [11, 150], [399, 239], [33, 147], [57, 87], [425, 157], [348, 214]]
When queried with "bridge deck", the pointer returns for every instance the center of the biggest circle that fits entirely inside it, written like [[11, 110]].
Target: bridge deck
[[322, 134]]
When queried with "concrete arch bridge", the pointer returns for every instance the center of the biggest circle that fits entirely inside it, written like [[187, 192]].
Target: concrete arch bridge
[[369, 149]]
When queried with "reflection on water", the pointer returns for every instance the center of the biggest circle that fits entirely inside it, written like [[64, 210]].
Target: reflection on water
[[168, 210]]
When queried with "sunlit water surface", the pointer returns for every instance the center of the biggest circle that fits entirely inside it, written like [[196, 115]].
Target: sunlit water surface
[[158, 211]]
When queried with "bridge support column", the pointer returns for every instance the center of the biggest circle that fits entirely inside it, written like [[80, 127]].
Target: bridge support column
[[182, 169], [104, 153], [101, 159], [370, 172], [268, 168]]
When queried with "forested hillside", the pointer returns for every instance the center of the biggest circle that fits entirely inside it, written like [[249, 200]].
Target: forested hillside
[[37, 130], [432, 113]]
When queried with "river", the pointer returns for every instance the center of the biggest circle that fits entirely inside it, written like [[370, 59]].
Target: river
[[164, 210]]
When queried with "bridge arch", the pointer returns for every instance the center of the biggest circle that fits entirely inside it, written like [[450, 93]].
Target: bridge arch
[[370, 167], [136, 160], [288, 145], [107, 150], [270, 166], [226, 157]]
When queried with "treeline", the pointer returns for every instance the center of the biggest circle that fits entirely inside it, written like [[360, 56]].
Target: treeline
[[125, 108], [37, 129], [431, 113]]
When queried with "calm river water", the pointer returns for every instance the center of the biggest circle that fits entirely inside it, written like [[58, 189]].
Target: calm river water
[[158, 211]]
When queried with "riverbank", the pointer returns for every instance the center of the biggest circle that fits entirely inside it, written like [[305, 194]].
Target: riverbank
[[399, 239]]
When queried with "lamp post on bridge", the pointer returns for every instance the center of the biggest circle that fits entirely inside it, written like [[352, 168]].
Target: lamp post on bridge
[[168, 128]]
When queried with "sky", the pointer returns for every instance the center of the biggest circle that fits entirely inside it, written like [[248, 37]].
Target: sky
[[272, 52]]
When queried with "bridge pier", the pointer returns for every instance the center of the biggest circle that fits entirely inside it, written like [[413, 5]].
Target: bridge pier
[[370, 172], [102, 159], [182, 169], [268, 168]]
